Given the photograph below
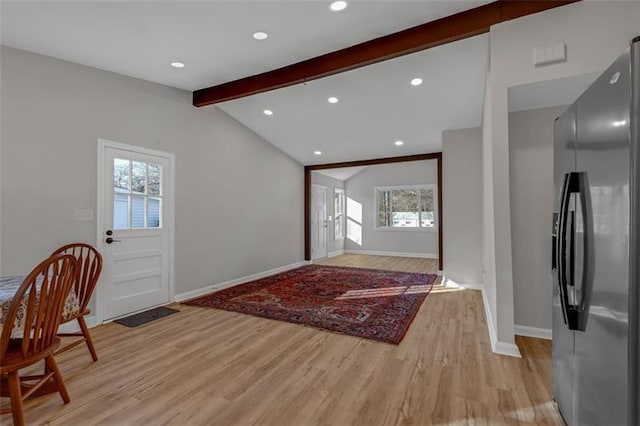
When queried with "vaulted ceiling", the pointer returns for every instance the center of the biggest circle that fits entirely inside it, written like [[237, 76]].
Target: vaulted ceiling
[[376, 107], [213, 38], [376, 104]]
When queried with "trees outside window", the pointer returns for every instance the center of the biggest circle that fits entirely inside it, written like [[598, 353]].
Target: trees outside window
[[411, 206]]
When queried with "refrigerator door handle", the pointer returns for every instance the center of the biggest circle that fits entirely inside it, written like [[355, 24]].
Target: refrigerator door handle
[[572, 249], [588, 256], [576, 313], [561, 249]]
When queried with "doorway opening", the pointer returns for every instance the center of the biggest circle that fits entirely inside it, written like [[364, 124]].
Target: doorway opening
[[420, 212]]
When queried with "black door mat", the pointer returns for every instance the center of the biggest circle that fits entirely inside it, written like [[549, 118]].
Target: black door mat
[[146, 316]]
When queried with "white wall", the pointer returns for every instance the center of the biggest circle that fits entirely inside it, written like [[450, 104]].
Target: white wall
[[595, 34], [360, 188], [462, 199], [334, 246], [531, 172], [238, 198], [488, 237], [1, 127]]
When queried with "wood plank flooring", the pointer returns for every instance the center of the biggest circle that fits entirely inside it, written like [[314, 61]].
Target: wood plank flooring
[[211, 367]]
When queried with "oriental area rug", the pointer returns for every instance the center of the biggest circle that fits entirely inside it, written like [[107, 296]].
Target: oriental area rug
[[368, 303]]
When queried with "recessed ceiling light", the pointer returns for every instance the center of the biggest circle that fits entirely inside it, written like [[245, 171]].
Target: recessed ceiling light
[[399, 143], [337, 6], [268, 112], [317, 152], [416, 82], [333, 100], [177, 64], [260, 35]]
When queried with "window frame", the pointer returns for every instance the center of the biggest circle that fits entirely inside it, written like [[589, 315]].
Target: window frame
[[339, 218], [129, 193], [436, 219]]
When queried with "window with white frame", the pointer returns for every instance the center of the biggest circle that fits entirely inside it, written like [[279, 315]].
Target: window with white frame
[[137, 194], [406, 207], [338, 212]]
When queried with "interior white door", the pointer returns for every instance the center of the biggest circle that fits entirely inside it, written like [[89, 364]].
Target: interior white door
[[135, 235], [318, 222]]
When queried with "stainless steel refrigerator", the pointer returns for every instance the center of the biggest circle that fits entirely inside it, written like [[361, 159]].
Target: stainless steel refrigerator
[[596, 250]]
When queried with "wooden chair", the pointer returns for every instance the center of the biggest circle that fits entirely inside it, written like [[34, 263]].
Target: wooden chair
[[89, 268], [38, 312]]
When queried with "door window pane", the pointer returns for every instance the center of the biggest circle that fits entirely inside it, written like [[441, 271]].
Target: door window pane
[[138, 177], [121, 175], [153, 212], [120, 211], [338, 213], [154, 179], [137, 211], [137, 189]]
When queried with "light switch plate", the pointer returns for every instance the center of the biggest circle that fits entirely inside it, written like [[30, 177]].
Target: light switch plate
[[83, 215], [550, 54]]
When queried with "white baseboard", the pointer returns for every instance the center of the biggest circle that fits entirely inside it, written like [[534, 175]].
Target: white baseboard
[[73, 327], [473, 287], [490, 324], [502, 348], [393, 253], [498, 347], [448, 282], [335, 253], [538, 333], [219, 286], [509, 349]]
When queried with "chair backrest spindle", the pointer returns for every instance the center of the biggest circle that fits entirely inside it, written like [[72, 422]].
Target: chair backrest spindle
[[37, 305], [89, 268]]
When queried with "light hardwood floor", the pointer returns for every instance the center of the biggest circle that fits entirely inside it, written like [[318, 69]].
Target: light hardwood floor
[[211, 367]]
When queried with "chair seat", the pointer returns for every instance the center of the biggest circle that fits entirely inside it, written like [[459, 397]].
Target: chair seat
[[76, 315], [13, 359]]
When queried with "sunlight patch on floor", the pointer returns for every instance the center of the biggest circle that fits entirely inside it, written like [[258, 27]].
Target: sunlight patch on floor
[[528, 414], [443, 289], [384, 292]]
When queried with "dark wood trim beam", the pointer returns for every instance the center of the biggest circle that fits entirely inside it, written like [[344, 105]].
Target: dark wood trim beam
[[307, 213], [376, 161], [452, 28], [440, 217]]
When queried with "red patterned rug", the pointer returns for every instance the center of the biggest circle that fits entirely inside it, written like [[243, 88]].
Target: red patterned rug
[[368, 303]]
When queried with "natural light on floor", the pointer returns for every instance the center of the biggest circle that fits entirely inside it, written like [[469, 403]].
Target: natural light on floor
[[447, 285], [384, 292], [354, 221]]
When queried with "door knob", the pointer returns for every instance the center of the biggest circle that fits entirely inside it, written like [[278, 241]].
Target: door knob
[[109, 232], [111, 240]]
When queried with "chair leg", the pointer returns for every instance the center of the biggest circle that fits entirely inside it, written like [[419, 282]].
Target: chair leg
[[16, 398], [57, 377], [87, 338]]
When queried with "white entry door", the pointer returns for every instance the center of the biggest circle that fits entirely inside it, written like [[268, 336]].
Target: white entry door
[[318, 222], [134, 228]]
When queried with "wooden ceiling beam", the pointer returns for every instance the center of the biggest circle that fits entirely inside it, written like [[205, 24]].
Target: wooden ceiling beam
[[452, 28]]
